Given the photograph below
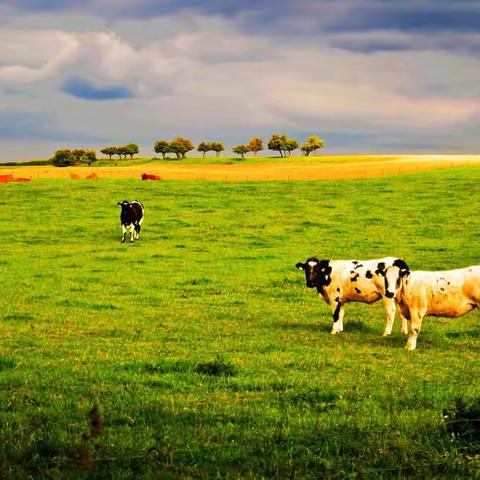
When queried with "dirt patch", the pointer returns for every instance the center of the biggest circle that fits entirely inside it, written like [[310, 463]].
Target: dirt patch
[[263, 171]]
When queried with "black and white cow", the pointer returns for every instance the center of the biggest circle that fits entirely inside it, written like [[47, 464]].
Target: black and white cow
[[341, 281], [451, 293], [131, 218]]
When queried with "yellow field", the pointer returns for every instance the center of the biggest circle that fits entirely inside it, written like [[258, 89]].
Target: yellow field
[[336, 167]]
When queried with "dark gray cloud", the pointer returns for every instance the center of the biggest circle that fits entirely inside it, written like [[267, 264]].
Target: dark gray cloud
[[86, 90], [348, 15], [409, 17], [15, 125], [23, 125]]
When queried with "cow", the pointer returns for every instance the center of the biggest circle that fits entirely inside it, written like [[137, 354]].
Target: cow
[[150, 176], [341, 281], [131, 218], [451, 293]]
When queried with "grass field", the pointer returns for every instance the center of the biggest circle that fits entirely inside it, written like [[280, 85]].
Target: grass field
[[197, 352]]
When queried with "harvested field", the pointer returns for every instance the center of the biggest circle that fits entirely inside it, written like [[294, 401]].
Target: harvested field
[[334, 168]]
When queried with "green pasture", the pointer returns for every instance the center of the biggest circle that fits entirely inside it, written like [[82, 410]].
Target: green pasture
[[198, 352]]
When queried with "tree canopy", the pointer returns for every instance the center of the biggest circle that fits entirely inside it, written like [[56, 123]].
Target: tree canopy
[[70, 157], [255, 145], [312, 144], [241, 150]]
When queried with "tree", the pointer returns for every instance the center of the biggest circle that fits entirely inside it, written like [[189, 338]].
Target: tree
[[241, 150], [110, 151], [278, 143], [291, 145], [162, 146], [312, 144], [123, 150], [255, 145], [180, 146], [217, 147], [62, 158], [204, 147], [78, 156], [88, 157], [131, 149]]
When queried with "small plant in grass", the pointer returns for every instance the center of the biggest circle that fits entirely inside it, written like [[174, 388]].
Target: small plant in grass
[[217, 368], [6, 363], [463, 421]]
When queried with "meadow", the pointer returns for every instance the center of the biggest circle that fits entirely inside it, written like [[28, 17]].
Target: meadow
[[198, 352]]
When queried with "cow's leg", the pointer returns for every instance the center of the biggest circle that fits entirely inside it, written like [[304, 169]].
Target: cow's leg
[[390, 308], [137, 230], [404, 322], [124, 233], [415, 326], [139, 227], [338, 312], [132, 232]]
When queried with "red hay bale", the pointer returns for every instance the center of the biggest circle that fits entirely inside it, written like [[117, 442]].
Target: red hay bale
[[6, 178], [149, 176], [92, 176], [22, 179], [74, 176]]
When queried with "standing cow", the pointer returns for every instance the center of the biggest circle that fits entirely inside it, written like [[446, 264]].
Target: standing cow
[[451, 293], [341, 281], [131, 218]]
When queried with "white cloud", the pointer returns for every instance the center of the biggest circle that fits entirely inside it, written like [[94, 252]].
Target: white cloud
[[198, 73]]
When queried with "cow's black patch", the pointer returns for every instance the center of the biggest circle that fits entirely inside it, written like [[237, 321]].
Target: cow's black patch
[[402, 265], [358, 266], [355, 277], [442, 289], [338, 289], [380, 268], [354, 262], [369, 274], [358, 290], [325, 271]]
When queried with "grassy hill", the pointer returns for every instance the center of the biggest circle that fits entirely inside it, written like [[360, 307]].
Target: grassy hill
[[197, 352]]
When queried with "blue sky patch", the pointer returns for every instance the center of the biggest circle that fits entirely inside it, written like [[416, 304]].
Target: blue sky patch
[[84, 89]]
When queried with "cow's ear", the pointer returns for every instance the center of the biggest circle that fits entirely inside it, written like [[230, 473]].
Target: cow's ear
[[119, 204], [300, 266], [404, 273]]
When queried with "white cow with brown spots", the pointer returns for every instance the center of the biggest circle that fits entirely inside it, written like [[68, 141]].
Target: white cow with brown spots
[[451, 293], [341, 281]]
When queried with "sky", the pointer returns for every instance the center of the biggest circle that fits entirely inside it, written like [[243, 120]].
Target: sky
[[368, 76]]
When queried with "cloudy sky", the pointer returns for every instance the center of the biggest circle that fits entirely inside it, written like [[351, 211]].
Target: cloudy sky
[[369, 76]]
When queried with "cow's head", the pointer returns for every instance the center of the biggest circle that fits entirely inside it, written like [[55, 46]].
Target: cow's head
[[394, 275], [317, 272], [125, 214]]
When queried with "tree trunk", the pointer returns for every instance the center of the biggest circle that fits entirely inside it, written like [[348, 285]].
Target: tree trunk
[[204, 154]]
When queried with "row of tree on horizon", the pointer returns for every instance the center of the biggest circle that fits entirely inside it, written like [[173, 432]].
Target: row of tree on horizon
[[180, 146]]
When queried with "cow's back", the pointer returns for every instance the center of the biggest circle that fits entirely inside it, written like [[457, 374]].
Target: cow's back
[[446, 293], [136, 209]]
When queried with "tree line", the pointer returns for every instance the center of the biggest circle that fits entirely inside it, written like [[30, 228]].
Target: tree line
[[280, 143], [180, 146]]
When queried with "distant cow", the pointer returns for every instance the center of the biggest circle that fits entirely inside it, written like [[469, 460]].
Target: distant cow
[[131, 218], [341, 281], [451, 293], [150, 176]]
